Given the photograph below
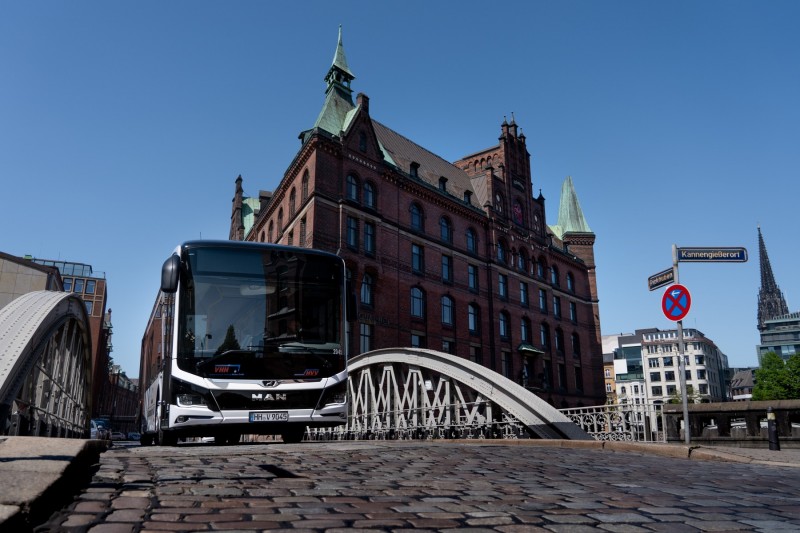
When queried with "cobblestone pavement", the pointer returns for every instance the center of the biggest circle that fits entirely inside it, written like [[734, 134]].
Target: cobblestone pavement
[[385, 486]]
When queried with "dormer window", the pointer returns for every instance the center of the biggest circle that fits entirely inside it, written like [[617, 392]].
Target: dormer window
[[467, 197], [414, 171], [443, 184]]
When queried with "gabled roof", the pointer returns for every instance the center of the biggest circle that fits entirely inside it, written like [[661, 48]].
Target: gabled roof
[[403, 152]]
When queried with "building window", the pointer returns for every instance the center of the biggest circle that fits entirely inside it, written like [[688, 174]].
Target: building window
[[472, 241], [90, 288], [414, 170], [608, 388], [576, 344], [447, 269], [540, 267], [472, 277], [369, 238], [554, 276], [671, 389], [89, 307], [505, 364], [417, 259], [703, 388], [369, 195], [447, 311], [352, 233], [362, 141], [573, 312], [467, 197], [446, 229], [608, 372], [67, 284], [366, 290], [365, 337], [669, 375], [78, 285], [417, 303], [698, 359], [522, 261], [352, 188], [270, 232], [543, 301], [504, 326], [559, 341], [655, 377], [449, 346], [291, 238], [304, 193], [502, 286], [668, 361], [525, 330], [570, 282], [654, 362], [701, 374], [523, 294], [302, 233], [657, 391], [443, 184], [544, 335], [475, 354], [416, 217], [473, 318], [292, 202], [417, 341], [280, 221], [557, 306], [502, 253]]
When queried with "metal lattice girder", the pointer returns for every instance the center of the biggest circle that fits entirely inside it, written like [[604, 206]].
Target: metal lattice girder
[[399, 388], [45, 365]]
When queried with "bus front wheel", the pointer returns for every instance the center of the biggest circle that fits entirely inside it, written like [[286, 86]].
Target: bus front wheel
[[293, 435]]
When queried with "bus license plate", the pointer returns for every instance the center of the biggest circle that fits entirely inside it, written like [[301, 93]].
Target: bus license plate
[[269, 416]]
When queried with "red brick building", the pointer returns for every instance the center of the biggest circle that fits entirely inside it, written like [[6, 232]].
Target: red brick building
[[454, 257]]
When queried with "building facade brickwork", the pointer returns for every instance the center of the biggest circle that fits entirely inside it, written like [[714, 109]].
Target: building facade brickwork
[[455, 257]]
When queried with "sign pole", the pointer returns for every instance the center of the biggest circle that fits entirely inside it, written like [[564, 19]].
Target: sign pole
[[681, 358]]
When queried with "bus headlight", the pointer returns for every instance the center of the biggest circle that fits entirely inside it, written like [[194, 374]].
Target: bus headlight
[[188, 395], [189, 400], [334, 394]]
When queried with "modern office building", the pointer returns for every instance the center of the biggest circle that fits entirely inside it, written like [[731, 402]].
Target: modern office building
[[780, 335], [706, 369], [19, 276], [456, 257]]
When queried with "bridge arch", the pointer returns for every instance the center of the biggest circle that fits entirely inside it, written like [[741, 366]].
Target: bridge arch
[[403, 391], [45, 366]]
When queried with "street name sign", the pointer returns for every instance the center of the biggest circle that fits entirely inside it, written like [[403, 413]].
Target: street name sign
[[712, 255], [665, 277], [676, 302]]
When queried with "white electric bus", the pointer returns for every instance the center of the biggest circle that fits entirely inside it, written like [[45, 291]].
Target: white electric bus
[[244, 338]]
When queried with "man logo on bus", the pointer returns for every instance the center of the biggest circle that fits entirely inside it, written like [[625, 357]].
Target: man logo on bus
[[267, 397]]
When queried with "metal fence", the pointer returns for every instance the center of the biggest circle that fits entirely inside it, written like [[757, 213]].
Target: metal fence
[[642, 422]]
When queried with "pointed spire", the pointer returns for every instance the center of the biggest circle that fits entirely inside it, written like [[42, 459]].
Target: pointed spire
[[771, 303], [570, 214], [339, 59], [338, 96]]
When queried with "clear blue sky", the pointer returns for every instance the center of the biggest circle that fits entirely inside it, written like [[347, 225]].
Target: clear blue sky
[[123, 127]]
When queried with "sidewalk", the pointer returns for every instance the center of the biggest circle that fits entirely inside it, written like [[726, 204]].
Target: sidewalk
[[39, 476]]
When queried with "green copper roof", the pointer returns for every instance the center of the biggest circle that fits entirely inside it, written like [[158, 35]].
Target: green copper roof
[[339, 59], [570, 214]]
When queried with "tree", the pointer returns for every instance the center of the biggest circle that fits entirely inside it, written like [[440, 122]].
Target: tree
[[793, 376], [691, 396], [772, 379]]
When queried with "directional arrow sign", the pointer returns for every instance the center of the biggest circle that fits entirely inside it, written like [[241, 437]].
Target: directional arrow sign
[[715, 255], [676, 302]]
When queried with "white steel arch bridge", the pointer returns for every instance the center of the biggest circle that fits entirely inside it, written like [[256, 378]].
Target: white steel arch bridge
[[410, 393], [45, 366]]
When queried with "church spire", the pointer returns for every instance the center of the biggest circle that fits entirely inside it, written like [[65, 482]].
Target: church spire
[[338, 95], [771, 303], [339, 75]]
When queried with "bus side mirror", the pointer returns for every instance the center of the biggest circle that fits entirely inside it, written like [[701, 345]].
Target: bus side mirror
[[351, 302], [169, 274]]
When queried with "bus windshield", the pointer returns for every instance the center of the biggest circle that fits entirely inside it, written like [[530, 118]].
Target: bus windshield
[[269, 314]]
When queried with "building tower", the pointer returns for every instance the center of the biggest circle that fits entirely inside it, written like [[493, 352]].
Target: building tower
[[771, 303]]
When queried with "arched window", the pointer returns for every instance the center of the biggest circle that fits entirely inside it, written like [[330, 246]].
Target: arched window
[[474, 318], [270, 232], [559, 340], [280, 221], [576, 344], [472, 241], [498, 202], [292, 202], [522, 260], [502, 252], [544, 335], [417, 303], [302, 242], [504, 322], [570, 282], [447, 311], [304, 193], [525, 329], [446, 229], [554, 276], [261, 237], [366, 290], [369, 195], [352, 188], [416, 217], [541, 266]]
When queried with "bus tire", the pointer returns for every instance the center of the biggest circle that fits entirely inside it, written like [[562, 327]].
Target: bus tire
[[167, 438]]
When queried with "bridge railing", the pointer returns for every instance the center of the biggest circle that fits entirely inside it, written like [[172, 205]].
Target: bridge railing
[[642, 422]]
